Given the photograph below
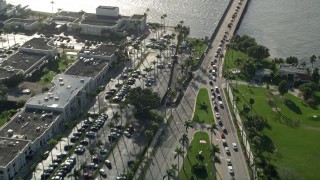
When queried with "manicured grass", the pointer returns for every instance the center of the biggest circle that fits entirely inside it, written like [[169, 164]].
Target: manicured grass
[[199, 49], [194, 149], [203, 110], [296, 148], [231, 55]]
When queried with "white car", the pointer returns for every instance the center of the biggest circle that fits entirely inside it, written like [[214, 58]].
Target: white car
[[228, 162], [227, 150], [234, 145], [224, 142], [217, 115], [230, 169]]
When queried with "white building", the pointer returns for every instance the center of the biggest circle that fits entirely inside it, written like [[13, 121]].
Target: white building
[[69, 95], [105, 22], [26, 24]]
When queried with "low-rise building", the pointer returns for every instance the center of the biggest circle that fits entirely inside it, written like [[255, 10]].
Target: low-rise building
[[68, 95], [27, 131], [42, 46], [26, 24], [94, 63], [294, 73], [105, 21]]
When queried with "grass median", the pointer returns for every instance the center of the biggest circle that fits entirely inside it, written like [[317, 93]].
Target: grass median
[[195, 167], [203, 110]]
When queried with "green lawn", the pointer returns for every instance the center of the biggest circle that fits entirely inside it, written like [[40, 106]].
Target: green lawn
[[185, 173], [203, 110], [45, 79], [231, 55], [199, 49], [297, 148]]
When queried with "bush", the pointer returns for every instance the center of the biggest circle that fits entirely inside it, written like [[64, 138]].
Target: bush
[[198, 169]]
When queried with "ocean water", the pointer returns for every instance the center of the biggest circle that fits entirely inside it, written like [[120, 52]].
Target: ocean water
[[286, 27], [201, 15]]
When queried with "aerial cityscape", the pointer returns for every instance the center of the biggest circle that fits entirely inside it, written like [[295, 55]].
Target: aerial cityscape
[[159, 90]]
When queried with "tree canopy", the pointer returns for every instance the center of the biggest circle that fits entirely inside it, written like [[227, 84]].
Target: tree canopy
[[258, 51], [307, 90], [143, 99], [283, 87], [292, 60]]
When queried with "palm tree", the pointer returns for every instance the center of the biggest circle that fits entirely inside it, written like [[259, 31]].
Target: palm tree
[[178, 152], [313, 59], [116, 116], [52, 2], [303, 64], [213, 151], [76, 173], [169, 174], [237, 62], [34, 169], [154, 64], [148, 133], [42, 157], [212, 128], [164, 21], [174, 168], [52, 144], [92, 152], [188, 124], [83, 166], [154, 126]]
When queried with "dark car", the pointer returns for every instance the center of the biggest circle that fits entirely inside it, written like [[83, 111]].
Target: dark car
[[74, 139], [68, 147], [103, 151], [77, 134], [84, 142]]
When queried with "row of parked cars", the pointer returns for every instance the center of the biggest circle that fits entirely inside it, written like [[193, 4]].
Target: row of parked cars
[[67, 163]]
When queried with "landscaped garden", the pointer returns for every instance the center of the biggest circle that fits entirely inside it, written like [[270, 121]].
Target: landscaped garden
[[203, 110], [197, 164], [290, 139]]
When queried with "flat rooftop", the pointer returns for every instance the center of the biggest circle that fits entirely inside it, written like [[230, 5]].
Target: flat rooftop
[[93, 19], [6, 73], [19, 20], [29, 124], [38, 43], [87, 67], [65, 88], [289, 68], [68, 16], [10, 148], [137, 16], [108, 7], [104, 49], [22, 61]]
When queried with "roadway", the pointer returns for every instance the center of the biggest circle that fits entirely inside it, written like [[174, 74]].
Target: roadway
[[164, 156]]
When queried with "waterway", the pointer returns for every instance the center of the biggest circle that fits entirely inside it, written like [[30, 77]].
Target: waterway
[[201, 16], [286, 27]]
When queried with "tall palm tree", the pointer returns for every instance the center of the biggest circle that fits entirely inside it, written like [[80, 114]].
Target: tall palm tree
[[148, 133], [52, 144], [42, 157], [169, 174], [92, 152], [52, 2], [34, 169], [174, 169], [116, 116], [213, 151], [83, 166], [178, 152], [237, 61], [76, 173], [212, 128], [188, 124], [313, 59]]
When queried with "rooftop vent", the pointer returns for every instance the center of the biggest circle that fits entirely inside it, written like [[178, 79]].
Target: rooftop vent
[[61, 83], [60, 79], [38, 129], [46, 98], [56, 98], [82, 80], [68, 87]]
